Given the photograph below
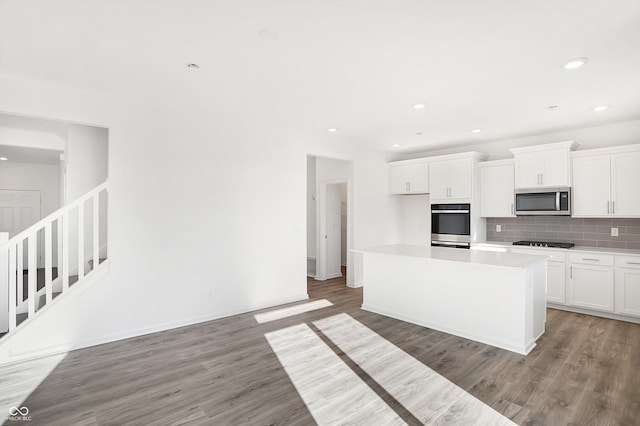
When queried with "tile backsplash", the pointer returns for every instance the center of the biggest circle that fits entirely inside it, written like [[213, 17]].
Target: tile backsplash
[[581, 232]]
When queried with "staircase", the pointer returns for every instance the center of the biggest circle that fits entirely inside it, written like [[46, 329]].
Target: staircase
[[51, 257]]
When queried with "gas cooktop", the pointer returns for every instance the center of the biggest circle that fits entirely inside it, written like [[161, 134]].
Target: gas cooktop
[[543, 244]]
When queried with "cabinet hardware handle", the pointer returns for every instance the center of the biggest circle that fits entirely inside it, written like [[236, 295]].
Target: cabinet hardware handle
[[613, 207], [571, 272], [633, 263], [593, 260], [607, 207], [541, 178], [406, 186], [409, 184], [511, 208]]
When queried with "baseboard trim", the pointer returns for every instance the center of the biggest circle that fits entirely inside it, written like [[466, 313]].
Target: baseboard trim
[[607, 315], [15, 358], [522, 350]]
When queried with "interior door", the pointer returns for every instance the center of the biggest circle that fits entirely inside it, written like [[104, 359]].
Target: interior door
[[332, 231], [18, 211]]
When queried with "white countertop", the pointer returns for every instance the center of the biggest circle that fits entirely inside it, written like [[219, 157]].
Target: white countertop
[[508, 260], [603, 250]]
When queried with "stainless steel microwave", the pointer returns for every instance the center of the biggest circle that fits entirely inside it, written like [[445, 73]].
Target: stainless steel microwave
[[543, 202]]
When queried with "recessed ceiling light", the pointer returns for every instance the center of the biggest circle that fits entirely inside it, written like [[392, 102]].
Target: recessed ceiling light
[[575, 63], [418, 133], [552, 107], [395, 145], [600, 108], [194, 66], [3, 158], [332, 129], [476, 130], [268, 34], [419, 106]]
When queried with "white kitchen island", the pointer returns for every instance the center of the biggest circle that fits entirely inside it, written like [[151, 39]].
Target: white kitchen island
[[491, 297]]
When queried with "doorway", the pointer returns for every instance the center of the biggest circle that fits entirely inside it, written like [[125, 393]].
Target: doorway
[[329, 220]]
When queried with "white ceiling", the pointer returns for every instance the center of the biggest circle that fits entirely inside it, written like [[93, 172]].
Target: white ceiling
[[355, 65]]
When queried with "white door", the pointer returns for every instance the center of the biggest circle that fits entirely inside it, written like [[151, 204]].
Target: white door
[[18, 211], [460, 178], [439, 180], [527, 170], [418, 176], [555, 282], [628, 291], [590, 287], [625, 194], [555, 170], [496, 191], [332, 232], [398, 183], [591, 186]]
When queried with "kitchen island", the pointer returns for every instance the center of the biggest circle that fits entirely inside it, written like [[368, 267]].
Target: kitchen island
[[490, 297]]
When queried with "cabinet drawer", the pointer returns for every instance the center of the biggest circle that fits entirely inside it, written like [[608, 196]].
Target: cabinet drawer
[[591, 259], [628, 262], [554, 256]]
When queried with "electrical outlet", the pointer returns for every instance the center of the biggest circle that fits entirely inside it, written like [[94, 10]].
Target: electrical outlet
[[498, 228], [614, 232]]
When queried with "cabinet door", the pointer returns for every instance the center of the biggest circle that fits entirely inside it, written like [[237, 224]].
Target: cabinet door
[[625, 184], [398, 182], [460, 178], [418, 177], [528, 169], [628, 291], [555, 168], [591, 186], [555, 282], [496, 191], [439, 180], [590, 287]]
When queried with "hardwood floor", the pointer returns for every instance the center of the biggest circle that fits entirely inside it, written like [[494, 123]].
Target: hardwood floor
[[584, 371]]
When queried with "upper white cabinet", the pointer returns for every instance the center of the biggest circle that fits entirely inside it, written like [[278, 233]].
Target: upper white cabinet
[[605, 182], [452, 179], [543, 165], [409, 177], [496, 188]]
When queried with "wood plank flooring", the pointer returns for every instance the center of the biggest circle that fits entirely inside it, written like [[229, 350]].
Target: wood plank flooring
[[584, 371]]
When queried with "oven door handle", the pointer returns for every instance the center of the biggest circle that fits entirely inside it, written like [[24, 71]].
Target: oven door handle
[[449, 211], [447, 243]]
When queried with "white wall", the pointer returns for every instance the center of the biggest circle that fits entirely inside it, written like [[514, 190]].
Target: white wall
[[31, 176], [207, 215], [86, 160]]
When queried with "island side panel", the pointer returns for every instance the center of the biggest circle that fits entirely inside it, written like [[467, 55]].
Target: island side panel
[[481, 302]]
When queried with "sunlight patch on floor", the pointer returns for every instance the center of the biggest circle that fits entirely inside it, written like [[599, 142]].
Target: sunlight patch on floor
[[292, 310], [430, 397], [18, 381], [333, 393]]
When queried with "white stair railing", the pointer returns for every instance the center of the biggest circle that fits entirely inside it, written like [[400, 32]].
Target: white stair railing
[[62, 232]]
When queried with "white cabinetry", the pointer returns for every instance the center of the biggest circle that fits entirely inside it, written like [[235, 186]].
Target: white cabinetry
[[590, 281], [543, 165], [605, 182], [409, 177], [496, 189], [555, 272], [451, 179], [627, 279]]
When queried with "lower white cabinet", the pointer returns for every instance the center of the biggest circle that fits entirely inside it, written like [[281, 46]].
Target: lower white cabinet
[[590, 281], [556, 282], [627, 279]]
